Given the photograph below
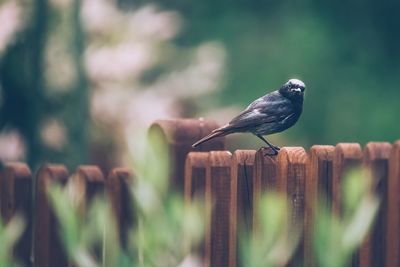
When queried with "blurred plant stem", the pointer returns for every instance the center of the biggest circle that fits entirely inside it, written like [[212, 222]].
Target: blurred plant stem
[[160, 233], [9, 234], [274, 239], [337, 236]]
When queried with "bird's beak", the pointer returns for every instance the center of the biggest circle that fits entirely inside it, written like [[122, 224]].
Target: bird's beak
[[298, 90]]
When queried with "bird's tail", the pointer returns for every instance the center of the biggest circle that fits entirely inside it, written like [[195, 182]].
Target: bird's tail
[[216, 133]]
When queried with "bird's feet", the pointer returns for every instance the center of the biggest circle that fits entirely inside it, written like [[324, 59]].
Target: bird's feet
[[271, 151], [277, 148]]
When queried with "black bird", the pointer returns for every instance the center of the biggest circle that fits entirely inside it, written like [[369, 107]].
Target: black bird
[[272, 113]]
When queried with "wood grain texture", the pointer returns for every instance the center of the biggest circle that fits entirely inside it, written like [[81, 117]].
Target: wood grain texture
[[220, 249], [230, 185], [318, 187], [392, 236], [195, 183], [179, 136], [266, 179], [242, 176], [195, 175], [243, 170], [119, 183], [13, 198], [376, 162], [48, 249], [87, 182], [347, 156], [292, 163], [16, 198]]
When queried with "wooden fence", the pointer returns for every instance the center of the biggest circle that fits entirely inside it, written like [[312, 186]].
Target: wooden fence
[[229, 183]]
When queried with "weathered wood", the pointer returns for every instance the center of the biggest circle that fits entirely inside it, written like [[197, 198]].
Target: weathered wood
[[230, 186], [16, 198], [179, 136], [318, 187], [242, 173], [87, 181], [195, 175], [119, 182], [392, 235], [12, 175], [347, 156], [292, 163], [195, 183], [48, 249], [220, 248], [266, 178], [376, 161]]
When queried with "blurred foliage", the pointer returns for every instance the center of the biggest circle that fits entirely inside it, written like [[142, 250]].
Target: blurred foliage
[[44, 119], [164, 231], [274, 239], [336, 237], [9, 235], [68, 76], [167, 232], [90, 241], [65, 76], [167, 229]]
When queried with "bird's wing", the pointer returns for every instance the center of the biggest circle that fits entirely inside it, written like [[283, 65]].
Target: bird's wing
[[260, 112]]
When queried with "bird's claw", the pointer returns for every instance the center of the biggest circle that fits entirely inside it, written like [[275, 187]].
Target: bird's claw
[[275, 151], [277, 148]]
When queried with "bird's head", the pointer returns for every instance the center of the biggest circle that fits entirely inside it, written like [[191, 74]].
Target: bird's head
[[293, 89]]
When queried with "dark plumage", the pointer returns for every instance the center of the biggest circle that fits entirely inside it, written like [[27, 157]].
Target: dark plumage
[[272, 113]]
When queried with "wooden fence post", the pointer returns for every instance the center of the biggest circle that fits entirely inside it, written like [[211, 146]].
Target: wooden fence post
[[119, 182], [393, 212], [243, 171], [195, 184], [347, 156], [242, 179], [318, 187], [292, 175], [266, 178], [48, 250], [376, 160], [230, 185], [220, 247], [195, 175], [16, 198], [179, 136], [88, 181]]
